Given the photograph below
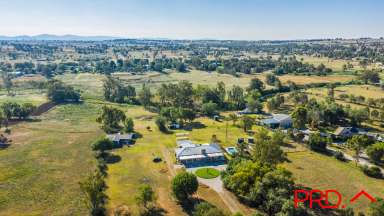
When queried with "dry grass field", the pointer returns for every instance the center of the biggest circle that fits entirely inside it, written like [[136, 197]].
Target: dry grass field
[[323, 172]]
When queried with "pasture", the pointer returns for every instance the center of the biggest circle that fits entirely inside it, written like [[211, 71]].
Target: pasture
[[40, 170], [323, 172]]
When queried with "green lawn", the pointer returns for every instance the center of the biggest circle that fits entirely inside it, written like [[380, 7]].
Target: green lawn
[[207, 173], [322, 172]]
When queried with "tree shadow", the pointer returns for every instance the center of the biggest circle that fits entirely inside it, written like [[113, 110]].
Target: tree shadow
[[190, 204], [154, 211], [289, 145], [194, 125], [33, 120], [138, 135], [112, 158], [4, 145]]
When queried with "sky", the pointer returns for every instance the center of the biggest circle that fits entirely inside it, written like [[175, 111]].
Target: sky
[[195, 19]]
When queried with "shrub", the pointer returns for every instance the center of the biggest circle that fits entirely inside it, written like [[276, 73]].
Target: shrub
[[128, 125], [317, 143], [206, 209], [372, 171], [184, 185], [209, 109], [375, 152], [102, 145], [161, 124], [339, 156]]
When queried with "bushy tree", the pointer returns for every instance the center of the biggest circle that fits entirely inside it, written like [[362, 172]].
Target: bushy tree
[[184, 185], [102, 145], [206, 209], [115, 91], [110, 118], [145, 197], [236, 97], [357, 143], [267, 148], [375, 152], [246, 122], [145, 96], [299, 117], [370, 76], [256, 84], [129, 125], [376, 208], [59, 92], [209, 109], [161, 124], [317, 143], [93, 189], [259, 184]]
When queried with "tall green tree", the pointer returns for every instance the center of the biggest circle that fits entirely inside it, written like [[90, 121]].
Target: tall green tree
[[93, 189], [299, 117], [145, 96], [145, 197], [357, 143], [246, 122], [129, 125], [184, 185], [267, 148], [256, 84], [111, 119]]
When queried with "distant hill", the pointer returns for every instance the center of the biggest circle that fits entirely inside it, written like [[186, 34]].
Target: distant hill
[[58, 37]]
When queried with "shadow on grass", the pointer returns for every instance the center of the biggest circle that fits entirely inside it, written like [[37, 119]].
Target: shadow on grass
[[289, 145], [194, 125], [154, 211], [138, 135], [189, 205], [4, 146], [112, 158]]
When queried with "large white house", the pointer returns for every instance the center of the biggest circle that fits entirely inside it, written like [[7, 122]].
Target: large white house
[[190, 154]]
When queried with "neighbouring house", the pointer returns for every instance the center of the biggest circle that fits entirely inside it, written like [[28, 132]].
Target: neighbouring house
[[345, 132], [122, 139], [191, 154], [174, 126], [278, 121], [372, 135], [247, 111]]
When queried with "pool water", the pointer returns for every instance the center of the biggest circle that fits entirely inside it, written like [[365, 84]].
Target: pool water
[[231, 150]]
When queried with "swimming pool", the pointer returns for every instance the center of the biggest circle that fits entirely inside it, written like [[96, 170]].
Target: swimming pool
[[231, 150]]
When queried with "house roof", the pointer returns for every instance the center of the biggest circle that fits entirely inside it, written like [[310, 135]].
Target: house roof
[[342, 130], [185, 143], [117, 137], [276, 119], [203, 150], [270, 121], [281, 117]]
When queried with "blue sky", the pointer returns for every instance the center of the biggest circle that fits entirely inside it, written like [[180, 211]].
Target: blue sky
[[195, 19]]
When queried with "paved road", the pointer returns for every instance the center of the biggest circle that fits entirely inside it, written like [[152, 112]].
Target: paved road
[[217, 185]]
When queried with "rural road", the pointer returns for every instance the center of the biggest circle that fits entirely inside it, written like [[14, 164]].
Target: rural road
[[363, 159], [217, 185]]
